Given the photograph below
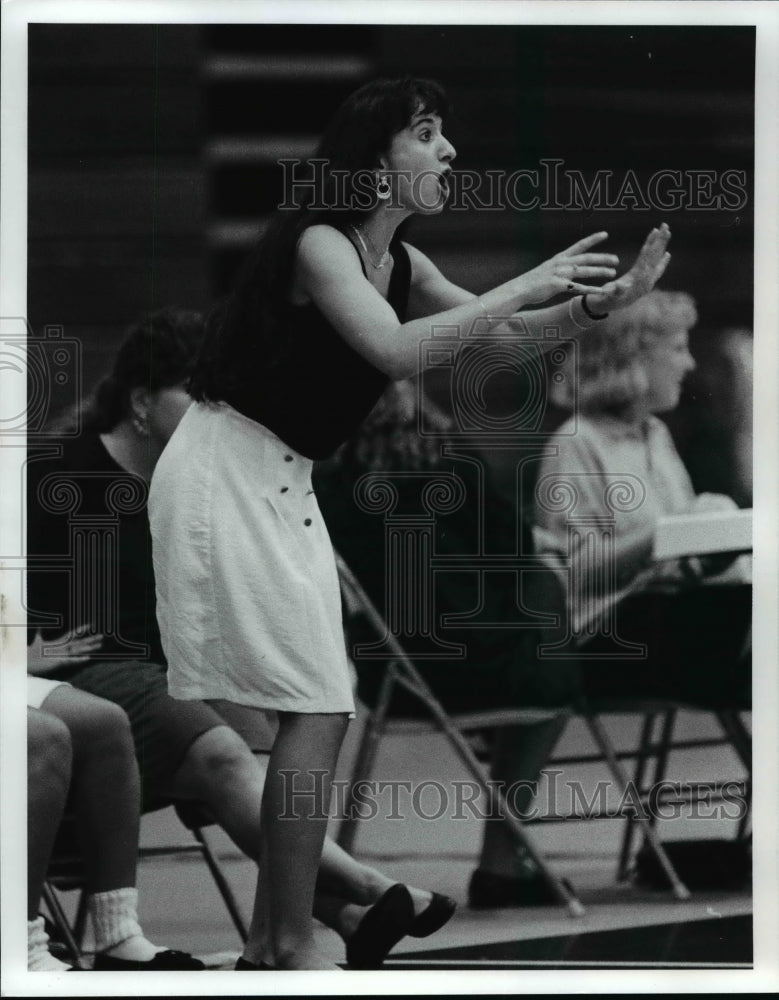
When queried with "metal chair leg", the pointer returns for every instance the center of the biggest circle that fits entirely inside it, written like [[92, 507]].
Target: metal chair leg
[[367, 752], [80, 922], [642, 755], [601, 737], [663, 752], [63, 927], [741, 741], [739, 737], [222, 884], [744, 823], [661, 761]]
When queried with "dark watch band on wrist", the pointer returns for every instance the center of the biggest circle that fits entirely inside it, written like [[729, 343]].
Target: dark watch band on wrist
[[589, 311]]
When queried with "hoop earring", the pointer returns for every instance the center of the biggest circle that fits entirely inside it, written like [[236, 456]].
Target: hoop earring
[[383, 189]]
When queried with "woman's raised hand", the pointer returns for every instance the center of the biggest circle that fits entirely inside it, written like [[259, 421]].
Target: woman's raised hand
[[568, 271], [640, 279]]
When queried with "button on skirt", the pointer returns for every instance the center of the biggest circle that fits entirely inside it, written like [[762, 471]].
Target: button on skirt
[[248, 601]]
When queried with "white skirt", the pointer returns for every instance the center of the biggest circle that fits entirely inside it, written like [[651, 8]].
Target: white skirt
[[248, 601]]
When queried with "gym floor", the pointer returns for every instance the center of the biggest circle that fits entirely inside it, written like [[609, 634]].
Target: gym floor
[[624, 926]]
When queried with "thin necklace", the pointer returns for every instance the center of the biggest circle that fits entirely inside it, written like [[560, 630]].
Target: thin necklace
[[384, 258]]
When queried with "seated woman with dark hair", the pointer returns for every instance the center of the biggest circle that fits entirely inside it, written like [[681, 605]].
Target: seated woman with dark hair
[[612, 473], [210, 752]]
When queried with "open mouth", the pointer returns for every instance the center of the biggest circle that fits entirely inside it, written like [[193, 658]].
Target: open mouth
[[443, 184]]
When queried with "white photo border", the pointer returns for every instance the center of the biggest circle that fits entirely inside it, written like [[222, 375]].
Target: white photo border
[[16, 14]]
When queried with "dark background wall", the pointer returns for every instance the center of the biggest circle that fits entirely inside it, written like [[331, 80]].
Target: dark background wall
[[115, 189], [599, 98], [153, 150]]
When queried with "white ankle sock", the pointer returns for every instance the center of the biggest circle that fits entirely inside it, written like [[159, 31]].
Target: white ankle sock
[[39, 958], [117, 931]]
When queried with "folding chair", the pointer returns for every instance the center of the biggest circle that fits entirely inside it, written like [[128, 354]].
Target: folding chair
[[659, 749], [649, 748], [66, 874], [401, 671], [652, 749]]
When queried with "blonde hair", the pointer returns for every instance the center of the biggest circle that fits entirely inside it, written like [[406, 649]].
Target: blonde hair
[[610, 373]]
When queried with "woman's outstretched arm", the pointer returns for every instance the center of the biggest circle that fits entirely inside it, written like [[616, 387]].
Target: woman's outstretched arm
[[432, 292], [328, 273]]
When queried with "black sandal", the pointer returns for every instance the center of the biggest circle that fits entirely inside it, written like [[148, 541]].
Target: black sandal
[[164, 961], [389, 919], [437, 912]]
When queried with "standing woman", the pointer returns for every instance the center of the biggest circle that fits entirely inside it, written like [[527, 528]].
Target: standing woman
[[329, 309]]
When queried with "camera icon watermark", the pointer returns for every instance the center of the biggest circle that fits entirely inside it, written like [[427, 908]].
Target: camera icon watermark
[[471, 366], [45, 366]]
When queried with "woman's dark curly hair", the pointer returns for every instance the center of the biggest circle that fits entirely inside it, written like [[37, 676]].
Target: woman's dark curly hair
[[337, 192], [156, 352]]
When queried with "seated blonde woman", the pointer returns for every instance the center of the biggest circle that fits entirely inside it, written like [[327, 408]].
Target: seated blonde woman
[[641, 628]]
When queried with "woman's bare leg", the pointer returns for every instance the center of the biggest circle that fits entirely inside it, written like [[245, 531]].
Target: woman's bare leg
[[105, 786], [105, 793], [295, 811], [48, 777], [220, 770], [341, 876]]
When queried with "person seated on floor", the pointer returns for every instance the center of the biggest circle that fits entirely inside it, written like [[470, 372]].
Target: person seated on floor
[[80, 754], [212, 753], [614, 465], [499, 668]]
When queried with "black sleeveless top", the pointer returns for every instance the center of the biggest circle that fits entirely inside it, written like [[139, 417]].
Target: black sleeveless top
[[320, 391]]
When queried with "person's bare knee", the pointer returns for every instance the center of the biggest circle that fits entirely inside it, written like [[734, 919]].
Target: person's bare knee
[[98, 728], [49, 755], [217, 761]]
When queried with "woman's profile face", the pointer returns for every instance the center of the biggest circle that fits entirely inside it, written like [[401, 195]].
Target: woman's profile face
[[418, 162], [666, 360]]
